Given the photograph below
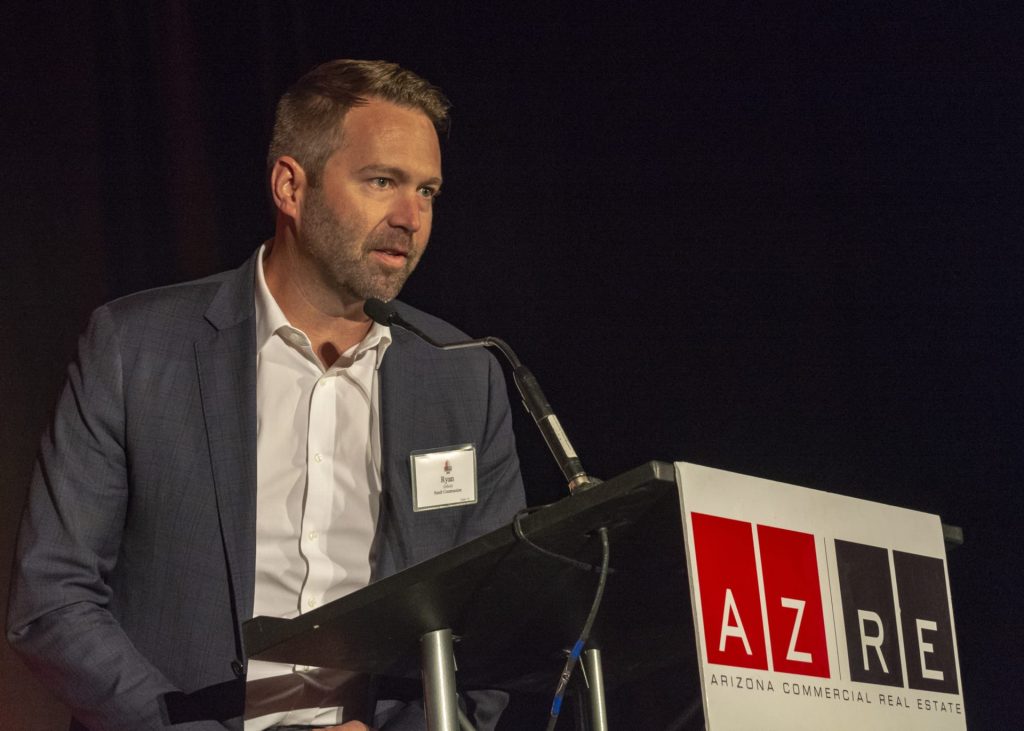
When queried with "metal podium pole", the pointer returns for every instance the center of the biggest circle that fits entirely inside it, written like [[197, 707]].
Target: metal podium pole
[[437, 665], [595, 691]]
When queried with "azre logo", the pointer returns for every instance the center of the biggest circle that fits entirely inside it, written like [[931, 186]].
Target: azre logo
[[761, 597]]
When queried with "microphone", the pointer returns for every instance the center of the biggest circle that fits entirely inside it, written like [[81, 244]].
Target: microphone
[[534, 401]]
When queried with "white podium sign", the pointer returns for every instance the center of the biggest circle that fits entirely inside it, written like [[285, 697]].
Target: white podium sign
[[817, 611]]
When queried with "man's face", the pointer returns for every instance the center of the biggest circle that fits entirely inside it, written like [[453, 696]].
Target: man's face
[[366, 225]]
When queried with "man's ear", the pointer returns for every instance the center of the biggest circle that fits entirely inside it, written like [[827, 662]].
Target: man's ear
[[287, 185]]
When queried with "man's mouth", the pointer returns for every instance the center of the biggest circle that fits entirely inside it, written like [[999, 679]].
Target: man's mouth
[[391, 256]]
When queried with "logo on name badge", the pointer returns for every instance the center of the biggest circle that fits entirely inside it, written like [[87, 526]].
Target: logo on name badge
[[444, 477]]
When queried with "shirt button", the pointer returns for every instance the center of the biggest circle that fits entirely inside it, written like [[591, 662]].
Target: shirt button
[[318, 457], [313, 535], [311, 602]]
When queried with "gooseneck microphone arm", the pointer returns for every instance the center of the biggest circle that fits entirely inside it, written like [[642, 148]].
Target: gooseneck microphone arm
[[533, 398]]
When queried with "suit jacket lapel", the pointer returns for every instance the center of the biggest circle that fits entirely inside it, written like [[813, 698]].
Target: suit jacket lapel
[[398, 384], [226, 363], [397, 387]]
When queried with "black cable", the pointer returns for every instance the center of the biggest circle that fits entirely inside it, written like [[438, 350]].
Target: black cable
[[577, 650], [464, 723], [521, 535]]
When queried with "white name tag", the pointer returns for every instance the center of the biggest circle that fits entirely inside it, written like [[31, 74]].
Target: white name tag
[[443, 478]]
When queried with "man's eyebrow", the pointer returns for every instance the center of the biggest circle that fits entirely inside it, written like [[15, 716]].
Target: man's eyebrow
[[396, 173]]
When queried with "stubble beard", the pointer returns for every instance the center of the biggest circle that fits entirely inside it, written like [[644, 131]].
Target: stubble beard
[[344, 257]]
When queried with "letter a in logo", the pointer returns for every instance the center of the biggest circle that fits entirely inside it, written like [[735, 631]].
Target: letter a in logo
[[729, 629], [729, 595]]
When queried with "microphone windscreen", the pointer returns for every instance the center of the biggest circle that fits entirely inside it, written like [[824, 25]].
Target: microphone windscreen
[[378, 311]]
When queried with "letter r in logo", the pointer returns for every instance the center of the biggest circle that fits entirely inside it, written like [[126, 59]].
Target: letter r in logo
[[869, 613]]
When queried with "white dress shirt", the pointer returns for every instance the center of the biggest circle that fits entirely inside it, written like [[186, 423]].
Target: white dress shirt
[[318, 495]]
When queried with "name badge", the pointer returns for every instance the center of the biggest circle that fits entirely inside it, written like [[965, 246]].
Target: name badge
[[442, 478]]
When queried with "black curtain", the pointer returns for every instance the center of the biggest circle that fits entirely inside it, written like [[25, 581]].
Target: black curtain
[[785, 243]]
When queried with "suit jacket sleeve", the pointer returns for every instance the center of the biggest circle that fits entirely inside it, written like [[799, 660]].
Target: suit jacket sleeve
[[60, 619]]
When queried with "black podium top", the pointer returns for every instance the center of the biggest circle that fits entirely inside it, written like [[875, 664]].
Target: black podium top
[[513, 609]]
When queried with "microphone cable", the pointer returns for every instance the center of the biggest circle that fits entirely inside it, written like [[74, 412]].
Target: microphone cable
[[577, 650]]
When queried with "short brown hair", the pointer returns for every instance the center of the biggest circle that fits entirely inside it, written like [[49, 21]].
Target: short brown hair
[[307, 124]]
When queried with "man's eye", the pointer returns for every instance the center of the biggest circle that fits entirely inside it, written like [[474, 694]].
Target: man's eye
[[380, 182], [428, 192]]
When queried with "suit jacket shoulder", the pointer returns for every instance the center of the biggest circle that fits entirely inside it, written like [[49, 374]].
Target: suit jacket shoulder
[[186, 310]]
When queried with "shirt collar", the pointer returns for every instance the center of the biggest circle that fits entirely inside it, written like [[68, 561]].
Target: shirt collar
[[270, 320], [379, 338]]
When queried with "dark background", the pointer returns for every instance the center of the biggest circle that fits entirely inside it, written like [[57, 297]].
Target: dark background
[[783, 242]]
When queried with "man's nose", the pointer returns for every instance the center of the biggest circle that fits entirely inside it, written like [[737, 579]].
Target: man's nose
[[407, 212]]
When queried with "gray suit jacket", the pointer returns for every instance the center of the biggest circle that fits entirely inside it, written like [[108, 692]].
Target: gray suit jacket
[[135, 562]]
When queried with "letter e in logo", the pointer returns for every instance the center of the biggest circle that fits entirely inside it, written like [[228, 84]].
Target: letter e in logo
[[927, 628]]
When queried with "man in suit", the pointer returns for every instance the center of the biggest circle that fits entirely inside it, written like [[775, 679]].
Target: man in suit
[[248, 443]]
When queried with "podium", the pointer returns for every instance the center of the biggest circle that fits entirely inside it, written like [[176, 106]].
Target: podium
[[508, 612], [780, 607]]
